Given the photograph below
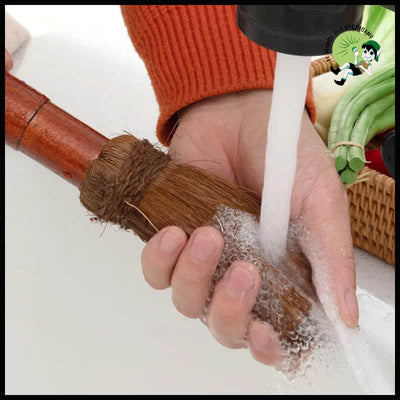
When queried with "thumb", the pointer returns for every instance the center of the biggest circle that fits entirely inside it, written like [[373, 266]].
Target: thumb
[[326, 219]]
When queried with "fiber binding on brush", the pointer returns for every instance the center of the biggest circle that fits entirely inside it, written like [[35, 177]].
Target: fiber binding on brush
[[132, 170], [117, 179]]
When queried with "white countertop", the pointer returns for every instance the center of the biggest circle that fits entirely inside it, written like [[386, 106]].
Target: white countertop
[[80, 318]]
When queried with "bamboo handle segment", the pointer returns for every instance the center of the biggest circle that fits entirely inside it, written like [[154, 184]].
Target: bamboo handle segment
[[48, 134]]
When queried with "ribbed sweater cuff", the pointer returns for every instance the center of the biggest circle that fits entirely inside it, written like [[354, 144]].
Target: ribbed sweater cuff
[[193, 52]]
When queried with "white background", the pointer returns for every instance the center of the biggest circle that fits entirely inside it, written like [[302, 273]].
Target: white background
[[80, 318]]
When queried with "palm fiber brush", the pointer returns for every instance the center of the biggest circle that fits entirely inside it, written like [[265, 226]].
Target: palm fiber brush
[[127, 181]]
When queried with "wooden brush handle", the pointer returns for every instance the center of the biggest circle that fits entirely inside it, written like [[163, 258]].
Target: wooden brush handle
[[47, 133]]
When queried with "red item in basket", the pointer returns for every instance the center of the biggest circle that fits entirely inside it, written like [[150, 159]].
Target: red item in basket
[[375, 161]]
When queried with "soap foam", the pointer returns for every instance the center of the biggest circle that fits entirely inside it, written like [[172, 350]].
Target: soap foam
[[313, 334], [322, 356]]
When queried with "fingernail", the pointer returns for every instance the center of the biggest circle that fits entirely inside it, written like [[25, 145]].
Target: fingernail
[[169, 242], [202, 248], [240, 280], [352, 305]]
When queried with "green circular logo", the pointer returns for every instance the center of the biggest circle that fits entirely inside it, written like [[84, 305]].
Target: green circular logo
[[345, 46]]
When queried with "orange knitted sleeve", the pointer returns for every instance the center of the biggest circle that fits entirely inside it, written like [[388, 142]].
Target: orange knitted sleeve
[[192, 52]]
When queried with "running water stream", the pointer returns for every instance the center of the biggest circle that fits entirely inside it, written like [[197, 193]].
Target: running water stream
[[351, 351], [288, 98]]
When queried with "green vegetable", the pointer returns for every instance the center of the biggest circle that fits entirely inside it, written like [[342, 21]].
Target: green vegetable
[[348, 176], [374, 17], [382, 123], [381, 23], [361, 130], [366, 106], [337, 115], [368, 95]]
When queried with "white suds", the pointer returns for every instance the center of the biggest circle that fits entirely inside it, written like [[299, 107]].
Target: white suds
[[323, 356]]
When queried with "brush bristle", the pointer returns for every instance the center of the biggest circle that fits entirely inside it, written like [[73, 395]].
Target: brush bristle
[[180, 195], [188, 197]]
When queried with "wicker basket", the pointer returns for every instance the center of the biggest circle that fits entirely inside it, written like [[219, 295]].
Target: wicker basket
[[371, 201]]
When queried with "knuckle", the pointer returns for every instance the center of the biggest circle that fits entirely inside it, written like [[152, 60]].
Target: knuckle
[[190, 275], [156, 276], [227, 331], [158, 284], [213, 234], [185, 308], [226, 315], [149, 256]]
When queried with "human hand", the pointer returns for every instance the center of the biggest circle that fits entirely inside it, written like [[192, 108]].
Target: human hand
[[226, 135]]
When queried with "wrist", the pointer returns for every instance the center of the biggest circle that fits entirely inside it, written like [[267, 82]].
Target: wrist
[[216, 106], [223, 116]]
